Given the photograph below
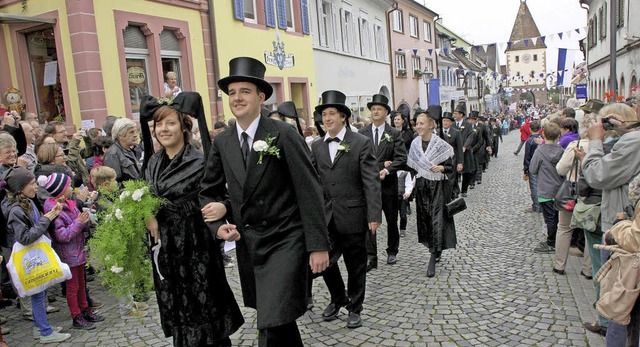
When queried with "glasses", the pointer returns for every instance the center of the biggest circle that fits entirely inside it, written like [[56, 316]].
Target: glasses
[[60, 155], [7, 152]]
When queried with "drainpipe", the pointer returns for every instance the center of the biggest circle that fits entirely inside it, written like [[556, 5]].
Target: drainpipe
[[214, 50], [391, 57], [613, 52]]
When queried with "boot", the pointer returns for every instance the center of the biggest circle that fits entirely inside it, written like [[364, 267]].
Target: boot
[[431, 269]]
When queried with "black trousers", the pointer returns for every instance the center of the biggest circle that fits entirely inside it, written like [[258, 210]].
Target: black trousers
[[282, 335], [404, 209], [453, 180], [467, 179], [481, 168], [390, 209], [353, 248], [550, 216]]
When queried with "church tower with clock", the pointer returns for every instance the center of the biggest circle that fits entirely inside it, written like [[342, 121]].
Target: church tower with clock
[[526, 58]]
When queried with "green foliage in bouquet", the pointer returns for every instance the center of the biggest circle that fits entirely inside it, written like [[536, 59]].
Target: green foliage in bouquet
[[119, 245]]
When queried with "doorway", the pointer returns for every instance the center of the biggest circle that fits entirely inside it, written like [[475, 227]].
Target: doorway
[[45, 75]]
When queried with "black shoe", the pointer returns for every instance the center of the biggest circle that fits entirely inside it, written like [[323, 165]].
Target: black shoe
[[354, 320], [391, 259], [8, 292], [464, 195], [559, 272], [91, 316], [589, 277], [310, 304], [438, 256], [479, 182], [372, 265], [473, 186], [5, 303], [431, 269], [595, 328], [331, 312]]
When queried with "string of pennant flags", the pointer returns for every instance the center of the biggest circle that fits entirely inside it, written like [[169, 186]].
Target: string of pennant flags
[[508, 44]]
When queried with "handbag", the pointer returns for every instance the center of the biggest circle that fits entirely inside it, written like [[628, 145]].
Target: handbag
[[36, 267], [585, 216], [456, 206], [568, 193]]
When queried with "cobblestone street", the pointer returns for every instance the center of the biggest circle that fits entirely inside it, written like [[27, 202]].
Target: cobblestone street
[[490, 291]]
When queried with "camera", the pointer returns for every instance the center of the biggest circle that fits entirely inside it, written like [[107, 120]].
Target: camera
[[606, 124]]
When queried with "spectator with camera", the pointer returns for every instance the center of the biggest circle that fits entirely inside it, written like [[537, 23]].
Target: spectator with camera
[[612, 173]]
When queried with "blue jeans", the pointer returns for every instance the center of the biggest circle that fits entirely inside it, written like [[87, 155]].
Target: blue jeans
[[533, 187], [616, 333], [39, 307], [505, 131]]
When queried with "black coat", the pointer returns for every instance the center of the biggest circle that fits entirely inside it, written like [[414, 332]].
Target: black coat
[[469, 141], [278, 209], [393, 150], [480, 151], [196, 304], [350, 184], [454, 139], [124, 162]]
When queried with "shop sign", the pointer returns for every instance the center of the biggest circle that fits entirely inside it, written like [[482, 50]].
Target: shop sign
[[278, 57], [136, 74]]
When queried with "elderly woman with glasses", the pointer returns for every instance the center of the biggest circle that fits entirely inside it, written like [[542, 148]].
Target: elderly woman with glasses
[[121, 156]]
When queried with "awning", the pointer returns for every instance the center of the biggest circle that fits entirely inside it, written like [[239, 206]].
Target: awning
[[6, 18]]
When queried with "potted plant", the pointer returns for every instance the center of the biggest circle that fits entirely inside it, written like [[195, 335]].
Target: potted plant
[[402, 73], [417, 73]]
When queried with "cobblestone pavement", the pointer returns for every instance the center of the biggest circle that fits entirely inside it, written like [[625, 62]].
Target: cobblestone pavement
[[490, 291]]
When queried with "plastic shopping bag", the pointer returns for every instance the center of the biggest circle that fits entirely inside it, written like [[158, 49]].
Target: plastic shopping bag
[[36, 267]]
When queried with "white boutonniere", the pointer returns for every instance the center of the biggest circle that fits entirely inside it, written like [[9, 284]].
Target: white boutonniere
[[462, 127], [266, 147], [448, 135], [343, 147], [387, 138]]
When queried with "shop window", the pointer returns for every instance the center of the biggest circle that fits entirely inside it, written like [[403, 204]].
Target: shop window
[[43, 59], [137, 55]]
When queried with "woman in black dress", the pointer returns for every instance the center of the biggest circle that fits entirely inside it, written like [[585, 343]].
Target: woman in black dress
[[401, 122], [197, 306], [432, 159]]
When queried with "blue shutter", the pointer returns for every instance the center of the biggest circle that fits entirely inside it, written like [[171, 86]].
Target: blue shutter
[[281, 6], [304, 8], [238, 9], [270, 14]]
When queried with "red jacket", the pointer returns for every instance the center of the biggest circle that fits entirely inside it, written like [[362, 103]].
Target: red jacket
[[525, 131]]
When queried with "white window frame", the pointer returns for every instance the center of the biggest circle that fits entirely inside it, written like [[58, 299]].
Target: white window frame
[[428, 64], [324, 22], [292, 13], [379, 38], [365, 35], [426, 28], [335, 28], [253, 20], [398, 22], [401, 63], [414, 31], [416, 64], [348, 42]]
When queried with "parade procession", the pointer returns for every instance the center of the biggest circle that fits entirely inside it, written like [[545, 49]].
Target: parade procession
[[284, 173]]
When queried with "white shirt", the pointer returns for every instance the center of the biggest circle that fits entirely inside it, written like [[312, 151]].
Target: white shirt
[[459, 124], [409, 182], [380, 132], [333, 146], [251, 132], [168, 89]]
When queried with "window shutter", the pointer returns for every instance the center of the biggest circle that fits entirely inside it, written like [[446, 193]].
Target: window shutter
[[336, 28], [281, 7], [134, 38], [322, 28], [238, 9], [304, 8], [604, 20], [269, 13]]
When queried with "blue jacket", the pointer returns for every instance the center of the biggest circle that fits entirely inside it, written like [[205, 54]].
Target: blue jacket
[[529, 148]]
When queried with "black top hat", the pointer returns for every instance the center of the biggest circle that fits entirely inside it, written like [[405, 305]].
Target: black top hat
[[288, 109], [435, 112], [461, 108], [317, 117], [379, 99], [245, 69], [334, 98], [448, 115], [473, 114]]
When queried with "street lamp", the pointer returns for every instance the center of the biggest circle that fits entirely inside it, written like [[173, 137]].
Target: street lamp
[[426, 77]]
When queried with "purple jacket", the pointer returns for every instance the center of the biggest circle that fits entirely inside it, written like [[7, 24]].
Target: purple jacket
[[68, 237], [567, 138]]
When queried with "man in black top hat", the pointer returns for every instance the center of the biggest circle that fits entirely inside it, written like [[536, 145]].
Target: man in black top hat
[[454, 139], [391, 154], [349, 176], [469, 139], [267, 168], [496, 136]]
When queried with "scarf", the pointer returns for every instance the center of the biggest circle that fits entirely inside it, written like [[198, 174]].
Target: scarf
[[437, 151]]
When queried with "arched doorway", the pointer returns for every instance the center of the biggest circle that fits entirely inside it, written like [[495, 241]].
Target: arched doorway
[[621, 90], [634, 83]]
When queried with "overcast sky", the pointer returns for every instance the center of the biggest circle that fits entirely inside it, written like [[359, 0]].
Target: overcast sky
[[491, 21]]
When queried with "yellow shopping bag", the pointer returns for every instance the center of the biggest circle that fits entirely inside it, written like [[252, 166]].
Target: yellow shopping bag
[[36, 267]]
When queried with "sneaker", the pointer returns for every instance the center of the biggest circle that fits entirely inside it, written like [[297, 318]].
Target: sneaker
[[91, 316], [51, 309], [544, 249], [36, 331], [79, 322], [54, 337], [134, 314], [140, 306], [559, 272]]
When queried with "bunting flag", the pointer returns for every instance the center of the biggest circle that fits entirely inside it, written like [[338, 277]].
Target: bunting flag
[[437, 51], [415, 51], [534, 40], [477, 49], [446, 51], [484, 47], [578, 31], [568, 32], [526, 42], [430, 51], [560, 36], [542, 38], [509, 44]]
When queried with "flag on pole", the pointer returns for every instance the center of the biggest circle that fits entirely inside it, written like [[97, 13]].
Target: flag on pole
[[565, 71]]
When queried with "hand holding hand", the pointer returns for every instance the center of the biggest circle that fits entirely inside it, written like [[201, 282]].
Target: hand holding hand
[[373, 226], [228, 232], [437, 168], [383, 174], [213, 211], [388, 163], [406, 196]]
